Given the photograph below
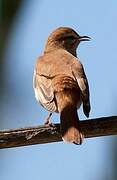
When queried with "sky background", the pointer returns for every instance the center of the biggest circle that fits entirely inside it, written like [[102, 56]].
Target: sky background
[[96, 159]]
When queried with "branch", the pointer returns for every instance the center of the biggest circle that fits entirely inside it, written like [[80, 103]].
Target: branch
[[46, 134]]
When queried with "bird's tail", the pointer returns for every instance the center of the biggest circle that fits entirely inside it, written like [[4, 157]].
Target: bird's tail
[[69, 121], [70, 125]]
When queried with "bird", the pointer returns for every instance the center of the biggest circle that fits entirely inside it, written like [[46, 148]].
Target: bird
[[60, 83]]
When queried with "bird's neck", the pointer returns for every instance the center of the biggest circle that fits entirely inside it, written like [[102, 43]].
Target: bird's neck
[[53, 47]]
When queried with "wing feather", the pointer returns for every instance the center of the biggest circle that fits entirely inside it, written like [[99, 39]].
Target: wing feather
[[44, 92], [79, 74]]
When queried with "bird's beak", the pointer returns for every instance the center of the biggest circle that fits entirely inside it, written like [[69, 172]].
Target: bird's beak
[[84, 38]]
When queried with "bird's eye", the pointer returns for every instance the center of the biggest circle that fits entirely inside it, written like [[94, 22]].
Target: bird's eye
[[71, 37], [68, 38]]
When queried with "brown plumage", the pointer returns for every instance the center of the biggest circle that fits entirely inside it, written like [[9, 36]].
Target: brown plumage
[[60, 82]]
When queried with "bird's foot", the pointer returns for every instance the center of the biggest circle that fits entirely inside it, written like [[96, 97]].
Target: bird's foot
[[48, 121]]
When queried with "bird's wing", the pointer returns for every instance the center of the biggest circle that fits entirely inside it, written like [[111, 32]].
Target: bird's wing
[[79, 74], [43, 88]]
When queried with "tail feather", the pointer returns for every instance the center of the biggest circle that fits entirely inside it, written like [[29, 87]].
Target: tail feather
[[67, 101], [70, 125]]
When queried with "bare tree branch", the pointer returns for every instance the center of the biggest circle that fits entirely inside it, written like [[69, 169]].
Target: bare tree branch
[[46, 134]]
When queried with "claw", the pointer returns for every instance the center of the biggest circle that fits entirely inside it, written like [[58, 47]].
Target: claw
[[47, 120]]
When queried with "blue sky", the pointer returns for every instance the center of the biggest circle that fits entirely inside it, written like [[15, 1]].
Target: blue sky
[[32, 25]]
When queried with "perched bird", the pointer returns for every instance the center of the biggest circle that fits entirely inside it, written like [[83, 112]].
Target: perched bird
[[60, 83]]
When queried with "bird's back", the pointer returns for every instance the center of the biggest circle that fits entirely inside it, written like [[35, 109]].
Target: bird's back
[[56, 63], [54, 74]]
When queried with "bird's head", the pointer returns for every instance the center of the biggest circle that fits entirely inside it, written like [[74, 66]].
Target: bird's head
[[65, 37]]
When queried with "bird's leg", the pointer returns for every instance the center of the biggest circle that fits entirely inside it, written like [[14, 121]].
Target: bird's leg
[[48, 121]]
